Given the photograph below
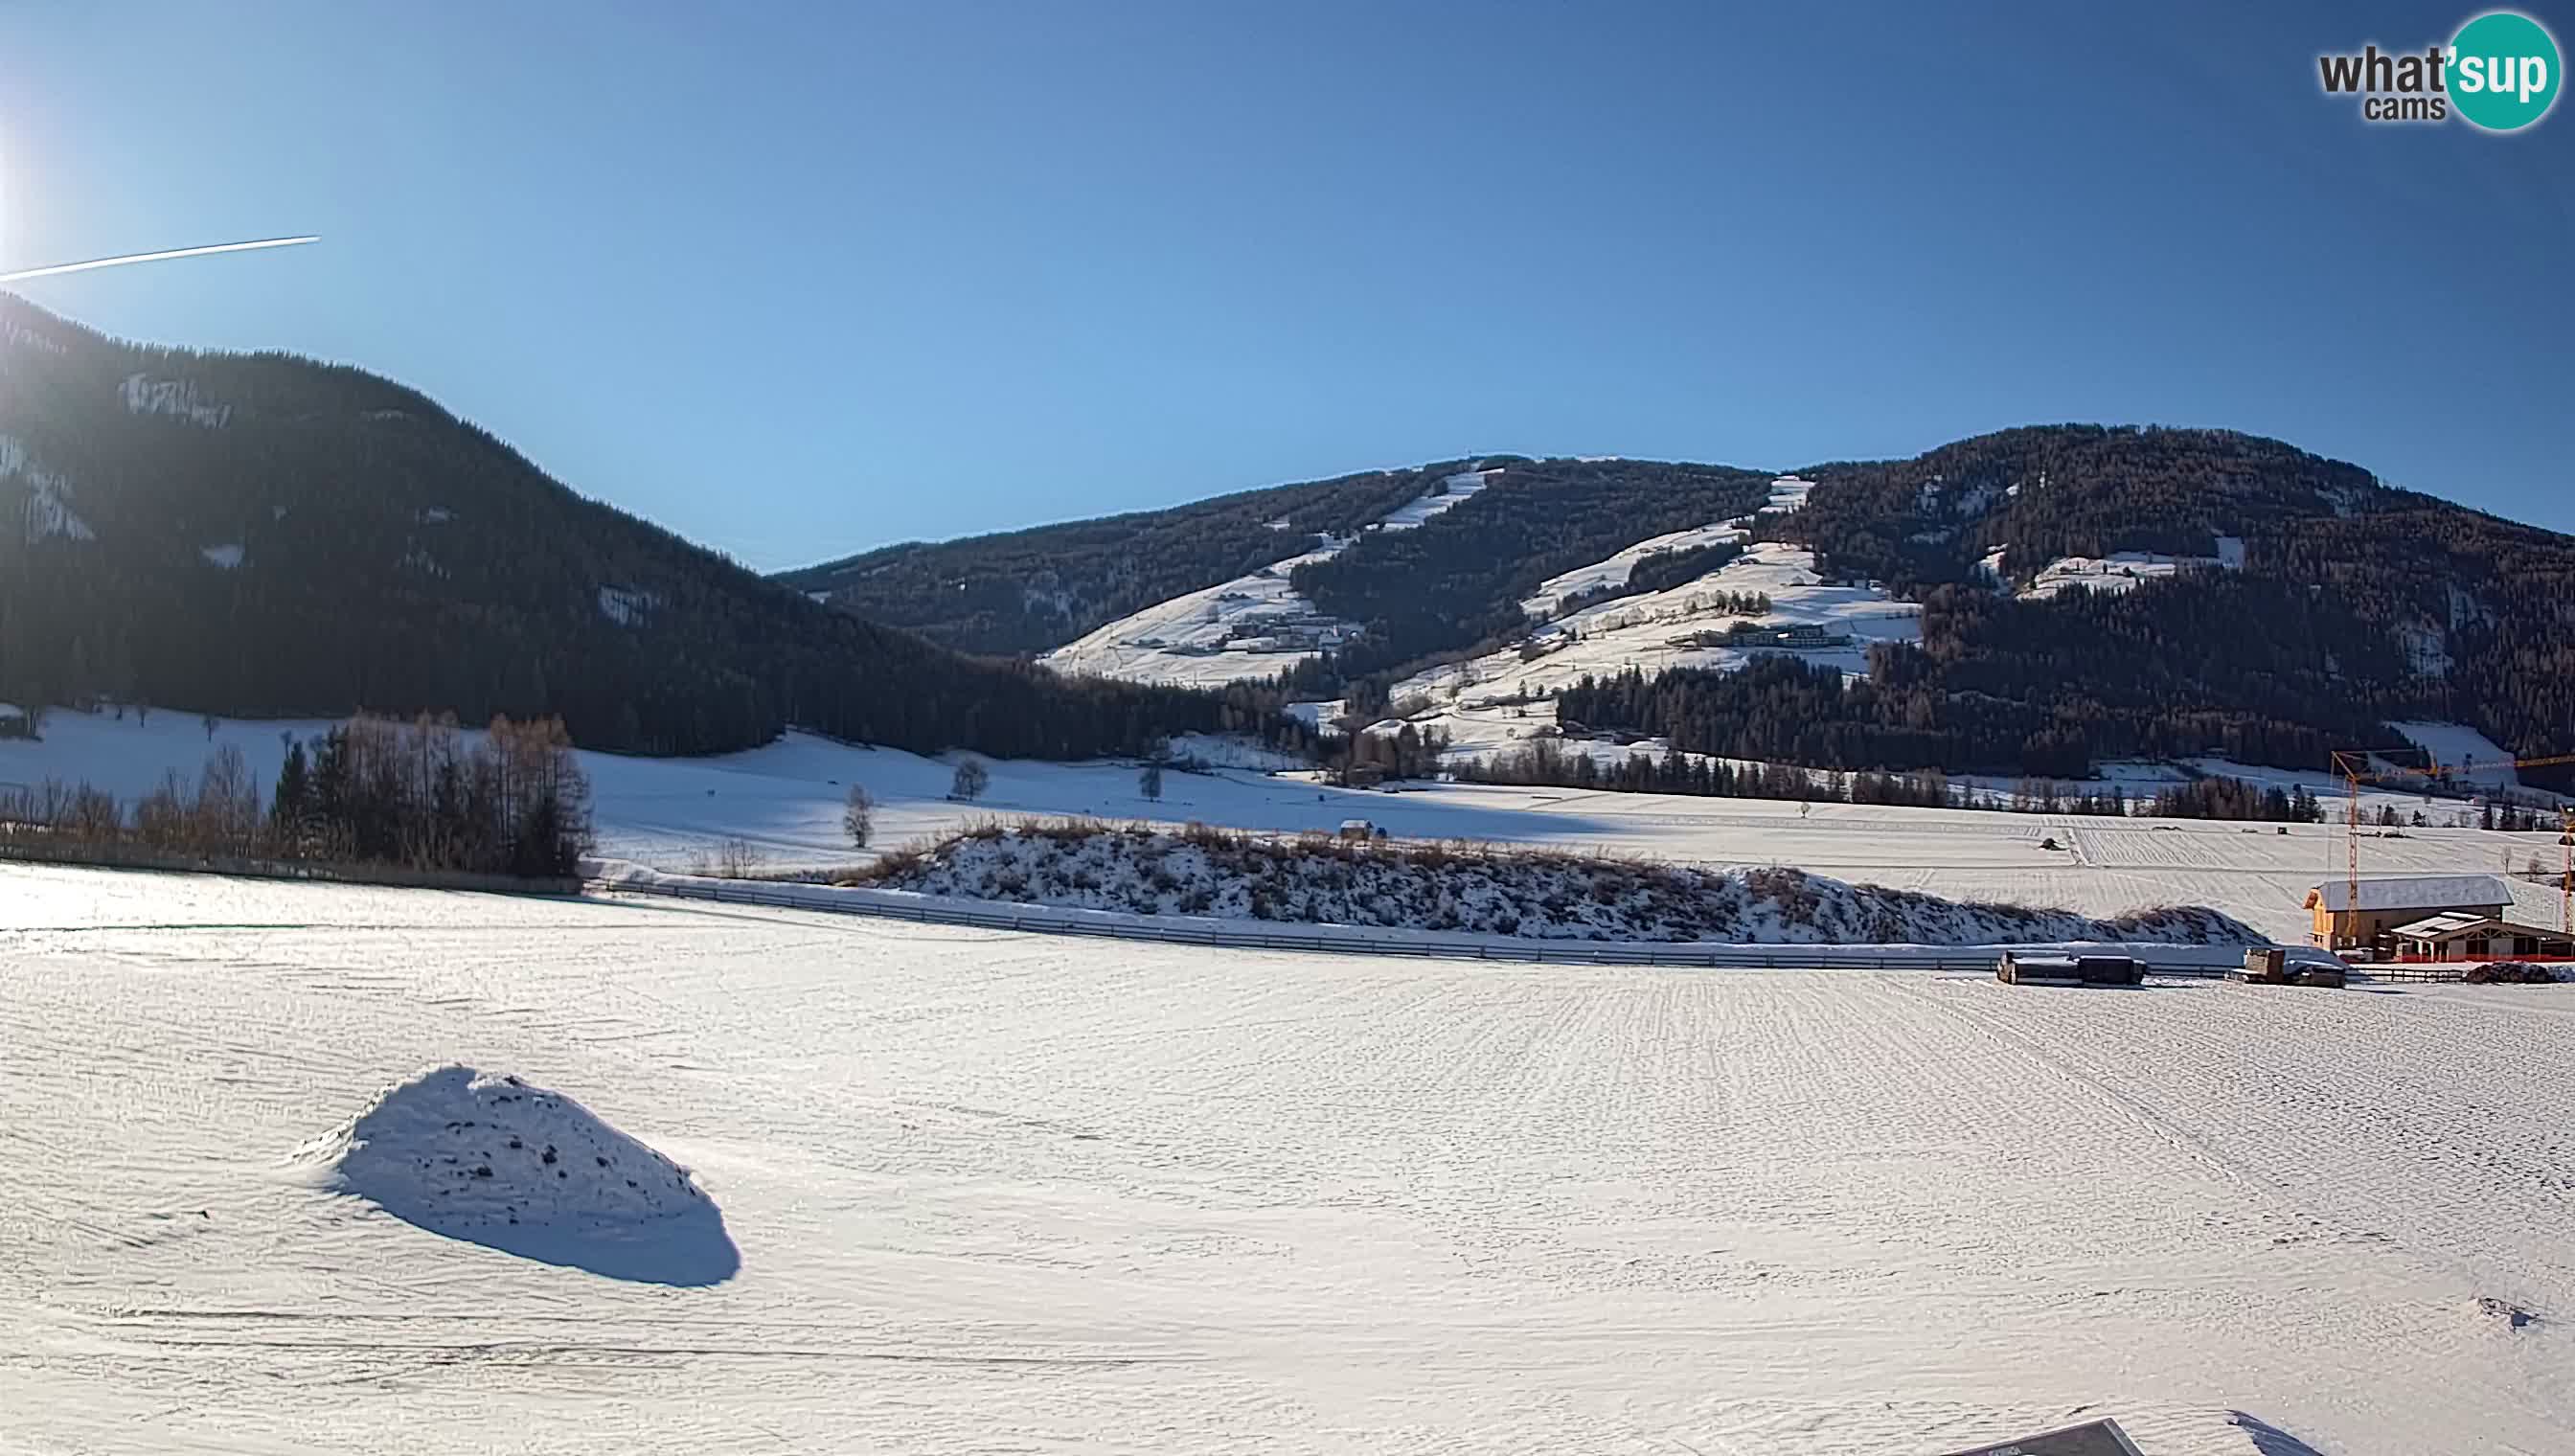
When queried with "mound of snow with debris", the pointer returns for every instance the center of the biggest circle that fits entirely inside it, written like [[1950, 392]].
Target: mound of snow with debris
[[1486, 889], [495, 1161]]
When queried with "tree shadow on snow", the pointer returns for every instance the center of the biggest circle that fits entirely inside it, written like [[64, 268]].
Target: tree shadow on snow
[[2269, 1439], [689, 1251]]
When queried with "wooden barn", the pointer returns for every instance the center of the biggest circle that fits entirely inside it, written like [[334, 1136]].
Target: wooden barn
[[2460, 935], [2388, 902]]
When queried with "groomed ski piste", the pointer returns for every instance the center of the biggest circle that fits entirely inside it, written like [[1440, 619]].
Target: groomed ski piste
[[1230, 630], [923, 1188]]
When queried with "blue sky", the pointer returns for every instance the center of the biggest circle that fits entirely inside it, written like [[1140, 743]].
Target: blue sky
[[795, 281]]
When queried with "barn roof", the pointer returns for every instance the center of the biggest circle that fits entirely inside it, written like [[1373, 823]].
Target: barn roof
[[2413, 893], [2442, 927], [2433, 927]]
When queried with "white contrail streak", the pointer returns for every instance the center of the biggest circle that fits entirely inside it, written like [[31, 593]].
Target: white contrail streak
[[120, 261]]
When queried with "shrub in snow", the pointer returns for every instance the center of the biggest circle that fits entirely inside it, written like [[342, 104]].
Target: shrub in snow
[[1484, 889], [2516, 972]]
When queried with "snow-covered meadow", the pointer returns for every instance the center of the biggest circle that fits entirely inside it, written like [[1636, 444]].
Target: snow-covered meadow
[[783, 804], [987, 1192]]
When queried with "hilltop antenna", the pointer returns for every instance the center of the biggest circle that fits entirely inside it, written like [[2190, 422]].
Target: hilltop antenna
[[120, 260]]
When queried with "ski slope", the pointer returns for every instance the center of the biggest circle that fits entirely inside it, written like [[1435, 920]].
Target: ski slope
[[1255, 626], [1657, 631], [1615, 569], [992, 1192]]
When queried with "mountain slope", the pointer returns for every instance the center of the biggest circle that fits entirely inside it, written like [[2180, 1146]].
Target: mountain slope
[[1422, 566], [258, 534], [1024, 591], [2309, 596], [2082, 591]]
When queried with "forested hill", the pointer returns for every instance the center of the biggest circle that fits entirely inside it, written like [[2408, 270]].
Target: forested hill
[[1446, 584], [1023, 592], [2312, 604], [2324, 603], [266, 536]]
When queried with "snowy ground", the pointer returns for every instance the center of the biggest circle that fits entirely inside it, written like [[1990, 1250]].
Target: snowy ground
[[785, 802], [1003, 1193], [2467, 756]]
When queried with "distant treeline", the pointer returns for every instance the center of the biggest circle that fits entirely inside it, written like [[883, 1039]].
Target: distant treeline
[[1550, 762]]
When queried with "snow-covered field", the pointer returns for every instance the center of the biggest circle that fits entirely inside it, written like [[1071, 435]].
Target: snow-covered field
[[784, 801], [2464, 754], [987, 1192]]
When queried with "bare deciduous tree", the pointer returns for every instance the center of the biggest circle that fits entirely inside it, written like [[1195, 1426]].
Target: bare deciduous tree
[[858, 816]]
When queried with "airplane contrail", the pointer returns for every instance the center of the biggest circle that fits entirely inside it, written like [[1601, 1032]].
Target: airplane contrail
[[122, 260]]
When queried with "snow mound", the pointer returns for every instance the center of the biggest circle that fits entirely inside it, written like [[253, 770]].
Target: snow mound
[[1486, 889], [495, 1161]]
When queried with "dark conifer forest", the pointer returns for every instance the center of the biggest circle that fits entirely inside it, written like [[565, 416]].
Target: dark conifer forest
[[1023, 592], [2330, 603], [2355, 602], [265, 536]]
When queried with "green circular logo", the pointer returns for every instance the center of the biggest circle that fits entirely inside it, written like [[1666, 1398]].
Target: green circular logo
[[2504, 71]]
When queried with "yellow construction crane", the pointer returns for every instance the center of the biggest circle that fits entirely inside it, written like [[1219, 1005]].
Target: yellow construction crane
[[2358, 765], [2566, 876]]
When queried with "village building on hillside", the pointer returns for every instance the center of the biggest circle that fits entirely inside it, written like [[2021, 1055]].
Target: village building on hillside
[[2388, 902], [16, 721], [2462, 936]]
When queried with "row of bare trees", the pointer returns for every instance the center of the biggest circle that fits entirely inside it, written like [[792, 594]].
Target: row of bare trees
[[511, 800]]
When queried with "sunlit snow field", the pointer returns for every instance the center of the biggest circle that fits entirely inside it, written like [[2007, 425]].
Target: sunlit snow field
[[993, 1193], [784, 801]]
